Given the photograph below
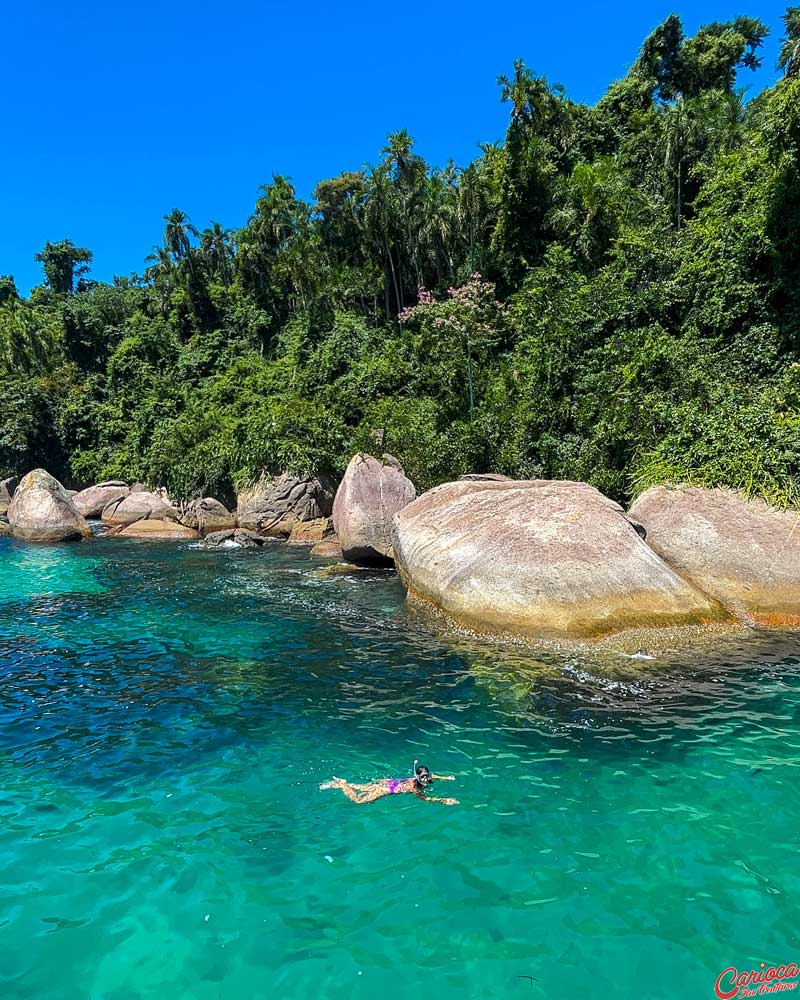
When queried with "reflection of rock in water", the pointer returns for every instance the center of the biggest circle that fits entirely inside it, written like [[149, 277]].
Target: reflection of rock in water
[[614, 695]]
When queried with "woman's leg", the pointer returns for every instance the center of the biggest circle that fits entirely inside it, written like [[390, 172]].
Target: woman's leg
[[364, 793], [358, 793]]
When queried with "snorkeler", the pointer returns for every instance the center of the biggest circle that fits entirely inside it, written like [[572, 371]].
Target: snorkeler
[[416, 785]]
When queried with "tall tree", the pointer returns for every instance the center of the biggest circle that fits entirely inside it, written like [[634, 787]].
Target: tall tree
[[178, 233], [63, 264], [789, 56]]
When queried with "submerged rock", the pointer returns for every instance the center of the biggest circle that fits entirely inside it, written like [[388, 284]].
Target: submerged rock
[[207, 516], [329, 549], [539, 559], [274, 506], [372, 492], [311, 532], [92, 501], [241, 538], [348, 569], [42, 511], [741, 552], [139, 506], [153, 527]]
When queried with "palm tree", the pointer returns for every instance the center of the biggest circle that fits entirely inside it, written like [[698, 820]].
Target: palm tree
[[477, 205], [789, 56], [380, 217], [161, 274], [593, 204], [177, 232], [28, 339], [438, 229], [721, 116], [676, 132], [408, 174], [217, 251]]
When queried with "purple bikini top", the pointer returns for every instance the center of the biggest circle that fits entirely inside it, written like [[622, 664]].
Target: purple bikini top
[[394, 784]]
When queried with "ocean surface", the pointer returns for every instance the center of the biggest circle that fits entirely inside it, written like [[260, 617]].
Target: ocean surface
[[626, 828]]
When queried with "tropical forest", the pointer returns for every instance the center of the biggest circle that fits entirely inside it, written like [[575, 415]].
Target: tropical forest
[[608, 294]]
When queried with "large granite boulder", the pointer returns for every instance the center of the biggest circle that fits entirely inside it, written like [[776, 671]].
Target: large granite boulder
[[42, 511], [207, 516], [311, 532], [539, 559], [157, 528], [7, 487], [490, 477], [138, 507], [92, 501], [742, 552], [273, 507], [372, 492]]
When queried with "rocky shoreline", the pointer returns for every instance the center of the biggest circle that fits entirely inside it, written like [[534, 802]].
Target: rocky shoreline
[[533, 560]]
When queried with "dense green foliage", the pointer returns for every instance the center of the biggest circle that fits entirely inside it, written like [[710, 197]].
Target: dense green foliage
[[611, 295]]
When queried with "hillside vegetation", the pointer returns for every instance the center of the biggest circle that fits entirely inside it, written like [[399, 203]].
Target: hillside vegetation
[[612, 294]]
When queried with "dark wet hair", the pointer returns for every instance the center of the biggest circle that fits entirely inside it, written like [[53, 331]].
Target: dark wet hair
[[422, 774]]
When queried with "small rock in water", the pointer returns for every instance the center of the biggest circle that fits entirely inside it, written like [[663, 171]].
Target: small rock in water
[[206, 917], [329, 858]]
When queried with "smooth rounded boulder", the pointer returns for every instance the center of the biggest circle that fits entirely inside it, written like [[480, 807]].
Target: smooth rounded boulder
[[372, 491], [539, 559], [41, 510], [156, 528], [742, 552], [138, 507], [207, 516], [92, 501], [274, 506], [480, 477]]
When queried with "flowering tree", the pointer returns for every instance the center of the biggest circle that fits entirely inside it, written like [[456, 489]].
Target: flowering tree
[[464, 328]]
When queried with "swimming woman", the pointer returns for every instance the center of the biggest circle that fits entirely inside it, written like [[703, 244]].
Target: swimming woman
[[415, 785]]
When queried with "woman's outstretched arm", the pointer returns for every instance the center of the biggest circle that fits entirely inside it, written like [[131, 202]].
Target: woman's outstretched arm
[[443, 777], [444, 802]]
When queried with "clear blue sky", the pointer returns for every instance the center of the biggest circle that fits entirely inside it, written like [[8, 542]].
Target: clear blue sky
[[116, 113]]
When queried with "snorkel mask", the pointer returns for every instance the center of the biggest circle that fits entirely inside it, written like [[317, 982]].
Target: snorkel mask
[[422, 774]]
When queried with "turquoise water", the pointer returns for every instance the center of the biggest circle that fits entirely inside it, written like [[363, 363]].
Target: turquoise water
[[168, 713]]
